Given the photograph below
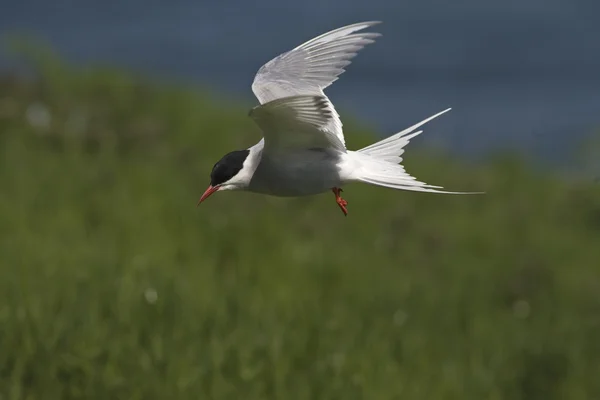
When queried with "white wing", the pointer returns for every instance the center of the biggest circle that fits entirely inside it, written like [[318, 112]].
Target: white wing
[[298, 122], [311, 67]]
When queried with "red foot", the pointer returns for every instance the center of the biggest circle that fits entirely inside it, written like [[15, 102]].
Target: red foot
[[340, 202]]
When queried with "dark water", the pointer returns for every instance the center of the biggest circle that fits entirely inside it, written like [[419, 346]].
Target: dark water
[[521, 74]]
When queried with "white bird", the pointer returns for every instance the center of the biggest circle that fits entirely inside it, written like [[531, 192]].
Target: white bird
[[303, 151]]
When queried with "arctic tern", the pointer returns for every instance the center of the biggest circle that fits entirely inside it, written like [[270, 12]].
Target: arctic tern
[[303, 151]]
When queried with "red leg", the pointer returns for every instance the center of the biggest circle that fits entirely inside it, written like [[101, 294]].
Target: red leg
[[341, 202]]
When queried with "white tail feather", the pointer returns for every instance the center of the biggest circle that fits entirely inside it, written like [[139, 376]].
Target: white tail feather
[[391, 148], [381, 160]]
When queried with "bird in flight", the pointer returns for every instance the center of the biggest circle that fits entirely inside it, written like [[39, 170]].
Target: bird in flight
[[303, 151]]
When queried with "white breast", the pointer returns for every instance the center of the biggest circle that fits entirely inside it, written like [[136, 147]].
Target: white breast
[[298, 173]]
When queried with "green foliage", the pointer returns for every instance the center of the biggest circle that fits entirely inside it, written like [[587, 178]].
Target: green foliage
[[114, 286]]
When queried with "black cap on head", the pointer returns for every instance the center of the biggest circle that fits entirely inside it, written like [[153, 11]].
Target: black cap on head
[[228, 167]]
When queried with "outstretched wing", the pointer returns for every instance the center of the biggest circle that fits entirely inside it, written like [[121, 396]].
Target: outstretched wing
[[308, 70], [301, 121], [312, 66]]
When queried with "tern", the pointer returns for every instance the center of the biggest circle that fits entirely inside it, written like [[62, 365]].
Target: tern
[[303, 151]]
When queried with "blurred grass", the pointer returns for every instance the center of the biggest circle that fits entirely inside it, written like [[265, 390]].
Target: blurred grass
[[114, 286]]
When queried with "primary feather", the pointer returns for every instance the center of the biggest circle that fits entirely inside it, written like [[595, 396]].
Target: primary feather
[[312, 66]]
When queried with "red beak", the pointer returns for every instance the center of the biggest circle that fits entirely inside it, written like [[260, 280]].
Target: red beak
[[211, 189]]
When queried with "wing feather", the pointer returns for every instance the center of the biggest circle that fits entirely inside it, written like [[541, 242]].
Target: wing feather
[[307, 70], [312, 66], [297, 121]]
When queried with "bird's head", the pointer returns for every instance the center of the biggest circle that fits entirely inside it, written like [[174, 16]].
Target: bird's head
[[232, 172]]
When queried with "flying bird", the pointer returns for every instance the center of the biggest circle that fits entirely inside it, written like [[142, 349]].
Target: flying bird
[[303, 151]]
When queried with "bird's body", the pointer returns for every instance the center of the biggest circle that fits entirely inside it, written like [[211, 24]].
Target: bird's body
[[303, 151], [299, 173]]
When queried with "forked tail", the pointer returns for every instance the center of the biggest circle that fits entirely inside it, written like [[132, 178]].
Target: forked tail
[[381, 162]]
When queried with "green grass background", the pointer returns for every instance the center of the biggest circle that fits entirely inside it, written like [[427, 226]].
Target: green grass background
[[114, 286]]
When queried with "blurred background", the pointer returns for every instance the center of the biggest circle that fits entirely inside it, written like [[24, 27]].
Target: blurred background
[[113, 285]]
